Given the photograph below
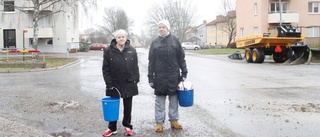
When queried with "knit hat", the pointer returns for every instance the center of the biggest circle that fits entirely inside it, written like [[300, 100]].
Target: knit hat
[[165, 22]]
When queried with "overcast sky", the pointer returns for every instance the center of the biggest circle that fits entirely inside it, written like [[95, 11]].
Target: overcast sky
[[137, 11]]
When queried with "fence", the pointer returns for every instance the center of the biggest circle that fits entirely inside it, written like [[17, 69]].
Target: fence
[[21, 58], [312, 41]]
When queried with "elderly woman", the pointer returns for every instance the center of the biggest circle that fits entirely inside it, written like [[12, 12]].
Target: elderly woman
[[121, 75], [166, 61]]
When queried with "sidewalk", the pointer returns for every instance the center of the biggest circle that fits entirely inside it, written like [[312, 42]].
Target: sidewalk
[[78, 55]]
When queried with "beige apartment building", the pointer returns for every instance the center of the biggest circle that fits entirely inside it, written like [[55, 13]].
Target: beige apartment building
[[256, 17], [57, 32], [218, 30], [212, 33]]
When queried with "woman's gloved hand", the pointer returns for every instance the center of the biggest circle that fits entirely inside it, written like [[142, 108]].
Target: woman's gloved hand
[[182, 79], [110, 87], [151, 85]]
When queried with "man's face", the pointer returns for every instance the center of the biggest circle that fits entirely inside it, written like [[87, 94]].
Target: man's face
[[121, 40], [163, 30]]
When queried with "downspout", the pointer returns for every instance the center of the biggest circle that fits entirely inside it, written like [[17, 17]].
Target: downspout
[[280, 4], [216, 36]]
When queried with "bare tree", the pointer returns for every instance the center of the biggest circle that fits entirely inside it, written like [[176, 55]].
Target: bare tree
[[98, 37], [226, 6], [229, 16], [114, 19], [180, 13], [44, 8]]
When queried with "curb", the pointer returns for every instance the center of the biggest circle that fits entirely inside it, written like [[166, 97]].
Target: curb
[[41, 69]]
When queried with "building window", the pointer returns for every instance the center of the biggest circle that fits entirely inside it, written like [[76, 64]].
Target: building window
[[275, 7], [314, 32], [255, 9], [8, 6], [31, 41], [255, 31], [313, 7], [241, 32], [49, 42], [45, 19]]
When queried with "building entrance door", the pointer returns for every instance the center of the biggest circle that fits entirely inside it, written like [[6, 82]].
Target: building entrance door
[[9, 37]]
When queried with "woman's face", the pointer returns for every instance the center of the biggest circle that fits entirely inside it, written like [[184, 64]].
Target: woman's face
[[162, 30], [121, 40]]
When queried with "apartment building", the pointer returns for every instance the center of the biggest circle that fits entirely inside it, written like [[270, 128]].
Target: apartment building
[[202, 33], [197, 34], [58, 32], [212, 33], [256, 17], [218, 31]]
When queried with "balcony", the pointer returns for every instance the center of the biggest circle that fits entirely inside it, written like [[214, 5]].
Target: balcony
[[286, 17], [42, 33]]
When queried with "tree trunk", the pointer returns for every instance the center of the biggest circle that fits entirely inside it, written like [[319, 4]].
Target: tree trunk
[[35, 24]]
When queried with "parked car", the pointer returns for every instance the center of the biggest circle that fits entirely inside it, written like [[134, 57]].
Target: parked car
[[97, 46], [190, 45]]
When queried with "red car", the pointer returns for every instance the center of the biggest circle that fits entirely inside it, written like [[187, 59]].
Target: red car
[[97, 46]]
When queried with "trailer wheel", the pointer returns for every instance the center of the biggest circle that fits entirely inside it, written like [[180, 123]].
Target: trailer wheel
[[278, 58], [248, 55], [283, 56], [258, 55]]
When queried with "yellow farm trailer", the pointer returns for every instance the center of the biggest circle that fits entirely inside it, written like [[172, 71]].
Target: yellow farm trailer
[[285, 48]]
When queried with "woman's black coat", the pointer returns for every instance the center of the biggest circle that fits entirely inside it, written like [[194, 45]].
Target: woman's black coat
[[120, 70], [166, 59]]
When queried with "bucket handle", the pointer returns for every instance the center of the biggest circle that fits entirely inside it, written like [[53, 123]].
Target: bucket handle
[[118, 92], [184, 88]]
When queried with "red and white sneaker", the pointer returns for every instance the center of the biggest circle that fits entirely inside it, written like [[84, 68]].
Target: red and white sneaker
[[128, 132], [108, 133]]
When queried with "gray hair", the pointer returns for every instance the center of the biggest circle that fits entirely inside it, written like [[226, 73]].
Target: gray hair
[[120, 32]]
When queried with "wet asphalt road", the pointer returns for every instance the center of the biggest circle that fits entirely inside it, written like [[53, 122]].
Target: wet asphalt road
[[232, 97]]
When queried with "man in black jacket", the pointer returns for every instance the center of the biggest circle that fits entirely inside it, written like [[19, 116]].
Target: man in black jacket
[[166, 60], [121, 75]]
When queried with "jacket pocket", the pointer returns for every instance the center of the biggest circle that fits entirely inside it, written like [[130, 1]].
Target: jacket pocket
[[131, 77]]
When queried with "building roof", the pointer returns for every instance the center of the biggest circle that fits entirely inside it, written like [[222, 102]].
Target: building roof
[[214, 22]]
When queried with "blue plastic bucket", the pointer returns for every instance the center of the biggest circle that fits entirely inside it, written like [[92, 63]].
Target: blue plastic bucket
[[185, 98], [110, 107]]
